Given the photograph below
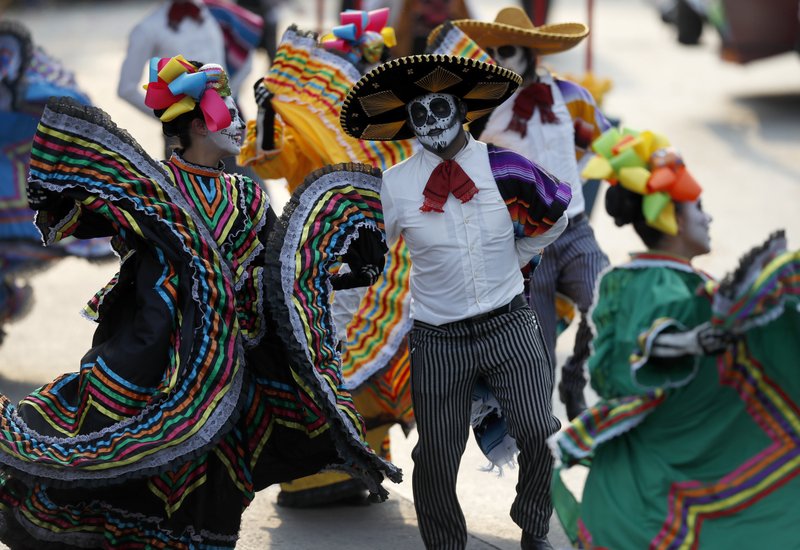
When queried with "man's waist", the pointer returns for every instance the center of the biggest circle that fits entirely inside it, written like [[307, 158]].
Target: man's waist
[[516, 303]]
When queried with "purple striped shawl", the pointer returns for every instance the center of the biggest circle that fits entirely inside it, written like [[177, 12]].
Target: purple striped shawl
[[534, 197]]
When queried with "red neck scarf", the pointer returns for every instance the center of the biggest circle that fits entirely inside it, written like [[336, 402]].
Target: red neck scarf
[[448, 177], [535, 95], [180, 10]]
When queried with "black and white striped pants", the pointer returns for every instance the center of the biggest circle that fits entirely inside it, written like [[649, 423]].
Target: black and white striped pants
[[570, 265], [508, 353]]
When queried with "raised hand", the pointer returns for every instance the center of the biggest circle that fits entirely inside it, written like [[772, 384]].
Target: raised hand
[[40, 198], [265, 120], [262, 94], [365, 276], [701, 340]]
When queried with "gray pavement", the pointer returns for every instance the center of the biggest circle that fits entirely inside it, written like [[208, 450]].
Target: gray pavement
[[738, 127]]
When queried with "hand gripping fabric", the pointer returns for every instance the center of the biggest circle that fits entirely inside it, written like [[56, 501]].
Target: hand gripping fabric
[[321, 220]]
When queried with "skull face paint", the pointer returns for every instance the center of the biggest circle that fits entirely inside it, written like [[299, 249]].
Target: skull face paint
[[510, 57], [436, 120], [230, 139], [371, 47]]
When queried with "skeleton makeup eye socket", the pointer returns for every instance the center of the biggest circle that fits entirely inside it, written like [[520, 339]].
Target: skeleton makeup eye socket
[[507, 51], [503, 52], [419, 114], [440, 108], [235, 118]]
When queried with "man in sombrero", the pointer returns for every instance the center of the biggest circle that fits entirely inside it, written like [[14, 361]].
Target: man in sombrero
[[471, 215], [551, 122]]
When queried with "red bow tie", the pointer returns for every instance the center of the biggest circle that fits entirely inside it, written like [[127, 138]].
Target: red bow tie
[[178, 11], [537, 95], [448, 177]]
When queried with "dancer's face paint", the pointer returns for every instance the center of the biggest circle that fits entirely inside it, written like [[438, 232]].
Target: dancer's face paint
[[230, 139], [436, 120], [510, 57]]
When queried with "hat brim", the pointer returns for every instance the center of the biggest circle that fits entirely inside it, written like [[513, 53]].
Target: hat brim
[[375, 108], [546, 39]]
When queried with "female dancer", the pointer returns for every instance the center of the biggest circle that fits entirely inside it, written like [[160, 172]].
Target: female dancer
[[695, 440], [190, 398]]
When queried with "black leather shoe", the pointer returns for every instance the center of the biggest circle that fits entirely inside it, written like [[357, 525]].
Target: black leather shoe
[[531, 542], [573, 400]]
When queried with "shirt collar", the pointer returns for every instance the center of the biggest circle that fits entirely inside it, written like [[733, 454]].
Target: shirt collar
[[544, 76]]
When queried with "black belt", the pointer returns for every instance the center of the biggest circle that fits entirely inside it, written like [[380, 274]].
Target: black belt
[[516, 303]]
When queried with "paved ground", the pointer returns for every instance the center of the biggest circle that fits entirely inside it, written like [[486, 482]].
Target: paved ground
[[736, 125]]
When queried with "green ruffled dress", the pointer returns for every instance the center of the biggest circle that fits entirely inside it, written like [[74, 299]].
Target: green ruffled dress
[[695, 452]]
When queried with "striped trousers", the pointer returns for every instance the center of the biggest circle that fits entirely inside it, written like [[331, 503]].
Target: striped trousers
[[508, 353], [570, 266]]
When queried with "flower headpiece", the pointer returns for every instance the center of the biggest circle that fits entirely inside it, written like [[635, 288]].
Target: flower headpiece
[[178, 86], [644, 162], [361, 35]]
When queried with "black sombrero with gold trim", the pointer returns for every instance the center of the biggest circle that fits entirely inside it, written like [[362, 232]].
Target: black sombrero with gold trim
[[375, 108]]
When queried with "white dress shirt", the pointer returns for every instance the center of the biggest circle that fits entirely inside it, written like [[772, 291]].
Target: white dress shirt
[[152, 37], [551, 146], [464, 261]]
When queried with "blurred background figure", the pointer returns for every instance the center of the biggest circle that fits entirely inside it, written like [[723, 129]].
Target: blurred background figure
[[552, 122], [688, 17], [28, 77], [270, 13], [749, 30], [363, 38], [242, 30], [537, 10], [417, 18]]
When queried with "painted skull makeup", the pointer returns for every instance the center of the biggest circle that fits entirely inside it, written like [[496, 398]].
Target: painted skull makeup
[[510, 57], [230, 139], [371, 47], [436, 120]]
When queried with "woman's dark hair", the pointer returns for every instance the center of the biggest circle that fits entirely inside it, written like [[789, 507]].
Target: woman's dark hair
[[625, 207], [180, 125]]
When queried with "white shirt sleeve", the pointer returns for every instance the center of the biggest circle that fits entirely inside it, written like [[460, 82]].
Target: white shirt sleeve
[[140, 50], [528, 247]]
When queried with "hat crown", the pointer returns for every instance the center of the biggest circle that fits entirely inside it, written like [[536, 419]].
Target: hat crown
[[514, 17]]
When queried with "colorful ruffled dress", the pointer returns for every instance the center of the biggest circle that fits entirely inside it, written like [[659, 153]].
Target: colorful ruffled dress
[[309, 84], [699, 451], [209, 376]]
